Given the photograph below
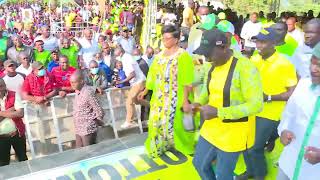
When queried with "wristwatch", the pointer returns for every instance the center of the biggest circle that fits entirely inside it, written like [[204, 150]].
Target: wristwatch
[[269, 98]]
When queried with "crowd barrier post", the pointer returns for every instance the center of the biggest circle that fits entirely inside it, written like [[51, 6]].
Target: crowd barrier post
[[28, 130], [56, 125], [113, 124], [138, 112]]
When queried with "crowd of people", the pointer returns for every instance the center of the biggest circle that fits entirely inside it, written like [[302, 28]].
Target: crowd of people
[[214, 85], [38, 62]]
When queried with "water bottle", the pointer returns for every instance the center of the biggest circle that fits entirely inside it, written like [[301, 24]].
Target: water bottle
[[188, 122]]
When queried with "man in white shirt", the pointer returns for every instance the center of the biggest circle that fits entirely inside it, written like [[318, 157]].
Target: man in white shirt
[[89, 47], [297, 34], [301, 57], [250, 29], [195, 34], [126, 41], [137, 82], [159, 14], [36, 7], [149, 56], [169, 18], [108, 59], [13, 80], [300, 126], [50, 42], [25, 67]]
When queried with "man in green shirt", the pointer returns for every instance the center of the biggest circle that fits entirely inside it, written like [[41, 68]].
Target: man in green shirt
[[40, 54], [286, 43], [4, 44], [70, 51]]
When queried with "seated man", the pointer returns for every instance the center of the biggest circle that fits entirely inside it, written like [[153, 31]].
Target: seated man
[[14, 132], [39, 86], [54, 60], [103, 66], [62, 75], [96, 77]]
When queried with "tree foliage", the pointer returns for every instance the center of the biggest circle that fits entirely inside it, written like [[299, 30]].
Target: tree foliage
[[249, 6]]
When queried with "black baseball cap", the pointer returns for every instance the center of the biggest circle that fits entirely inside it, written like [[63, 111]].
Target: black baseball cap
[[210, 39]]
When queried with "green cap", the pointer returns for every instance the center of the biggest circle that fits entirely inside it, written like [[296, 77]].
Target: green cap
[[209, 22], [316, 51], [226, 26]]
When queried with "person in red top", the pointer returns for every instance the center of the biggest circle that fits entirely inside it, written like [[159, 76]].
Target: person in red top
[[2, 70], [11, 108], [62, 75], [39, 86]]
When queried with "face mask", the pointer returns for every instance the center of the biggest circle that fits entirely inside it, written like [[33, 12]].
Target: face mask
[[41, 72], [94, 71], [182, 38], [150, 57], [136, 58], [99, 61]]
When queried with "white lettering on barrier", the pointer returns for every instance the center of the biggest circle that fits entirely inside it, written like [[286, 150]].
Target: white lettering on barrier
[[131, 163]]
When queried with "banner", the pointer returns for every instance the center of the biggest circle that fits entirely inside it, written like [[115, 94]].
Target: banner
[[27, 15], [102, 6], [127, 164]]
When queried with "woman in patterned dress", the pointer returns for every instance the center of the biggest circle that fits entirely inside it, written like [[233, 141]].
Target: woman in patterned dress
[[169, 77]]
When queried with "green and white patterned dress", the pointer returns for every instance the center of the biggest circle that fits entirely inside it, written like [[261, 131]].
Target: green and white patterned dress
[[166, 78]]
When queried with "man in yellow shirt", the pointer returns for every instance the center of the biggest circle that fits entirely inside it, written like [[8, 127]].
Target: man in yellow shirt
[[187, 21], [235, 95], [279, 79], [188, 15]]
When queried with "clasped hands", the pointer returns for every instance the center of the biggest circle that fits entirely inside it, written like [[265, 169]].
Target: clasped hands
[[207, 112]]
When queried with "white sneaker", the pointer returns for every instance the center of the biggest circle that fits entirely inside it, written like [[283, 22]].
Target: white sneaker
[[126, 124]]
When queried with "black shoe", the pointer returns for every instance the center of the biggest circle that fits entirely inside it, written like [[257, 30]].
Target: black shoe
[[243, 176]]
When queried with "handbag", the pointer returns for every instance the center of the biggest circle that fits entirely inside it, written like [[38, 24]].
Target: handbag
[[7, 126]]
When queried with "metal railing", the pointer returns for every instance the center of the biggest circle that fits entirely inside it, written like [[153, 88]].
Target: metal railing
[[50, 128]]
